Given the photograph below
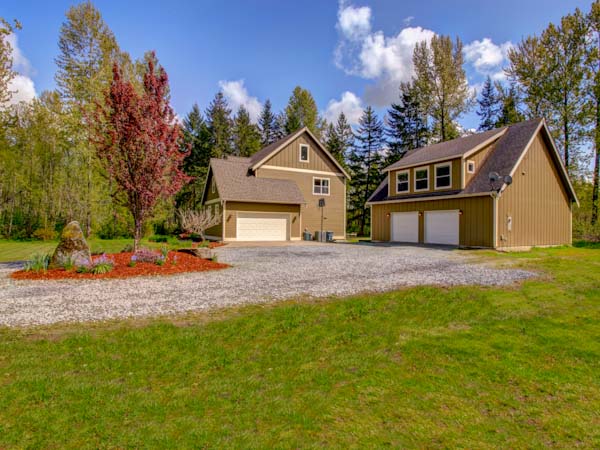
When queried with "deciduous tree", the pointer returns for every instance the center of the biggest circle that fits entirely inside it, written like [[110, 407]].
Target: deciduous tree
[[139, 141]]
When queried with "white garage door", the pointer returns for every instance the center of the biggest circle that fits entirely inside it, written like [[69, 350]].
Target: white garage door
[[441, 227], [405, 226], [262, 227]]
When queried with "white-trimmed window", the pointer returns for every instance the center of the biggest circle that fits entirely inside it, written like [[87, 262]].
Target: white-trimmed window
[[303, 153], [422, 178], [471, 166], [443, 175], [402, 181], [320, 186]]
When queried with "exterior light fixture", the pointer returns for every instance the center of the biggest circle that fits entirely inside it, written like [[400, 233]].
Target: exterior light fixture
[[497, 181], [388, 215]]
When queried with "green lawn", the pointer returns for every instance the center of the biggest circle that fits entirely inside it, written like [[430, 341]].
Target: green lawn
[[20, 251], [425, 367]]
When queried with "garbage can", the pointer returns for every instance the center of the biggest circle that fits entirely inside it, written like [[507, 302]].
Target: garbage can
[[329, 236], [307, 236], [319, 236]]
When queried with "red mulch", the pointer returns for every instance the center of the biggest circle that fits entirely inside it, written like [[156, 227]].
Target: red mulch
[[185, 263]]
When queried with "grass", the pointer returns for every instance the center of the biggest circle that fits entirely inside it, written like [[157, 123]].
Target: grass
[[423, 367], [20, 251]]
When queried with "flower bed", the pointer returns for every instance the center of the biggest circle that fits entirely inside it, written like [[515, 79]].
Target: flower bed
[[174, 263]]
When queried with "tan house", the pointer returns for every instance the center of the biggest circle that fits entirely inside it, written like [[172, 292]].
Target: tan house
[[275, 194], [504, 188]]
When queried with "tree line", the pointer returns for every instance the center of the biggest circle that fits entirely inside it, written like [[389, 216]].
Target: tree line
[[51, 171]]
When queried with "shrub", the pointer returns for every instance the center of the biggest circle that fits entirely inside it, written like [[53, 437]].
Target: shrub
[[37, 263], [68, 263], [158, 238], [44, 234], [99, 266], [147, 255]]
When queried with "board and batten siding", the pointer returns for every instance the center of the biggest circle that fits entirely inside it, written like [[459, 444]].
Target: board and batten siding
[[289, 156], [232, 208], [456, 178], [478, 158], [476, 227], [536, 204]]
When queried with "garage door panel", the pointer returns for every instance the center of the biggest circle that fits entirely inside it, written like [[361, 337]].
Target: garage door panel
[[405, 227], [262, 227], [442, 227]]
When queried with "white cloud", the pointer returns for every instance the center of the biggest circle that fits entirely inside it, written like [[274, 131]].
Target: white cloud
[[349, 103], [21, 86], [237, 95], [354, 23], [370, 54], [407, 20], [486, 57]]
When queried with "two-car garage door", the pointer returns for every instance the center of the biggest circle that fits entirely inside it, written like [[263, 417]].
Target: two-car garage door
[[440, 227], [262, 227]]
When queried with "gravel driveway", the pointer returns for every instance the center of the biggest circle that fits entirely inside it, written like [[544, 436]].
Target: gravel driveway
[[259, 274]]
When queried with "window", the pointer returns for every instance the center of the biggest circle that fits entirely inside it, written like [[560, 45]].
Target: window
[[402, 181], [471, 166], [422, 179], [320, 186], [213, 186], [303, 153], [443, 175]]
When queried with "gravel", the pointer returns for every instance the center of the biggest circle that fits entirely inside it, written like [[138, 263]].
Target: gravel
[[259, 274]]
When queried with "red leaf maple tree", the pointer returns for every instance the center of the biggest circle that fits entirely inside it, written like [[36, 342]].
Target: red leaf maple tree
[[138, 139]]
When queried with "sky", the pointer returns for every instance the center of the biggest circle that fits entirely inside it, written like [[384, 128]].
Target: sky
[[349, 54]]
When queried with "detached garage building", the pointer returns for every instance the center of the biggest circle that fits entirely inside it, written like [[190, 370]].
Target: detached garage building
[[274, 194], [460, 192]]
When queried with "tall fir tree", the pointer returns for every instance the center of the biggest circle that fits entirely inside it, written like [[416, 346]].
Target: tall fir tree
[[246, 136], [441, 84], [489, 106], [267, 124], [406, 125], [218, 119], [508, 98], [339, 138], [279, 129], [365, 164], [196, 140], [301, 111]]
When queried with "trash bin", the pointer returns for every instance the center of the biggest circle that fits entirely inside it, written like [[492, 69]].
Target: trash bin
[[307, 236], [319, 236], [329, 236]]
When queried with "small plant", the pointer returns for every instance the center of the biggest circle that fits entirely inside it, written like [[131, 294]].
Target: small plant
[[68, 263], [160, 261], [102, 265], [164, 250], [174, 260], [147, 255], [214, 258], [204, 244], [127, 249], [37, 263], [133, 261]]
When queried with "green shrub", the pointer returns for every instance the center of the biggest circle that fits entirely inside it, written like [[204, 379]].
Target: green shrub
[[68, 263], [37, 263], [158, 238], [44, 234]]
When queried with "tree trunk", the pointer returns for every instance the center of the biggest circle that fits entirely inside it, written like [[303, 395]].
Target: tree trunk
[[137, 234], [566, 137], [596, 165]]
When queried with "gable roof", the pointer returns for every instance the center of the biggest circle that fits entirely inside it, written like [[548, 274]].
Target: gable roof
[[447, 150], [262, 156], [235, 184], [511, 145]]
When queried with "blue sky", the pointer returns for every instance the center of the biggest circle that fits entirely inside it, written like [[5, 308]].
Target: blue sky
[[347, 54]]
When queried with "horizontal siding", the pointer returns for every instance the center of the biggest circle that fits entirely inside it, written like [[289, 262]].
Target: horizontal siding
[[476, 222], [456, 178], [334, 212], [232, 208], [536, 203]]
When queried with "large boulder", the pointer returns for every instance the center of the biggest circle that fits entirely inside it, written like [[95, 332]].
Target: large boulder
[[72, 247]]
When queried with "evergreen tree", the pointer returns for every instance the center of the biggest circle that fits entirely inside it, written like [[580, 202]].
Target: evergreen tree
[[508, 98], [279, 130], [489, 106], [441, 84], [246, 136], [267, 125], [339, 138], [218, 119], [301, 111], [196, 139], [406, 125], [365, 163]]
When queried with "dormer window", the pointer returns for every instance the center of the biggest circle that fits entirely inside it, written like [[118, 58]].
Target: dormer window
[[402, 180], [471, 166], [422, 179], [303, 153], [443, 175]]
